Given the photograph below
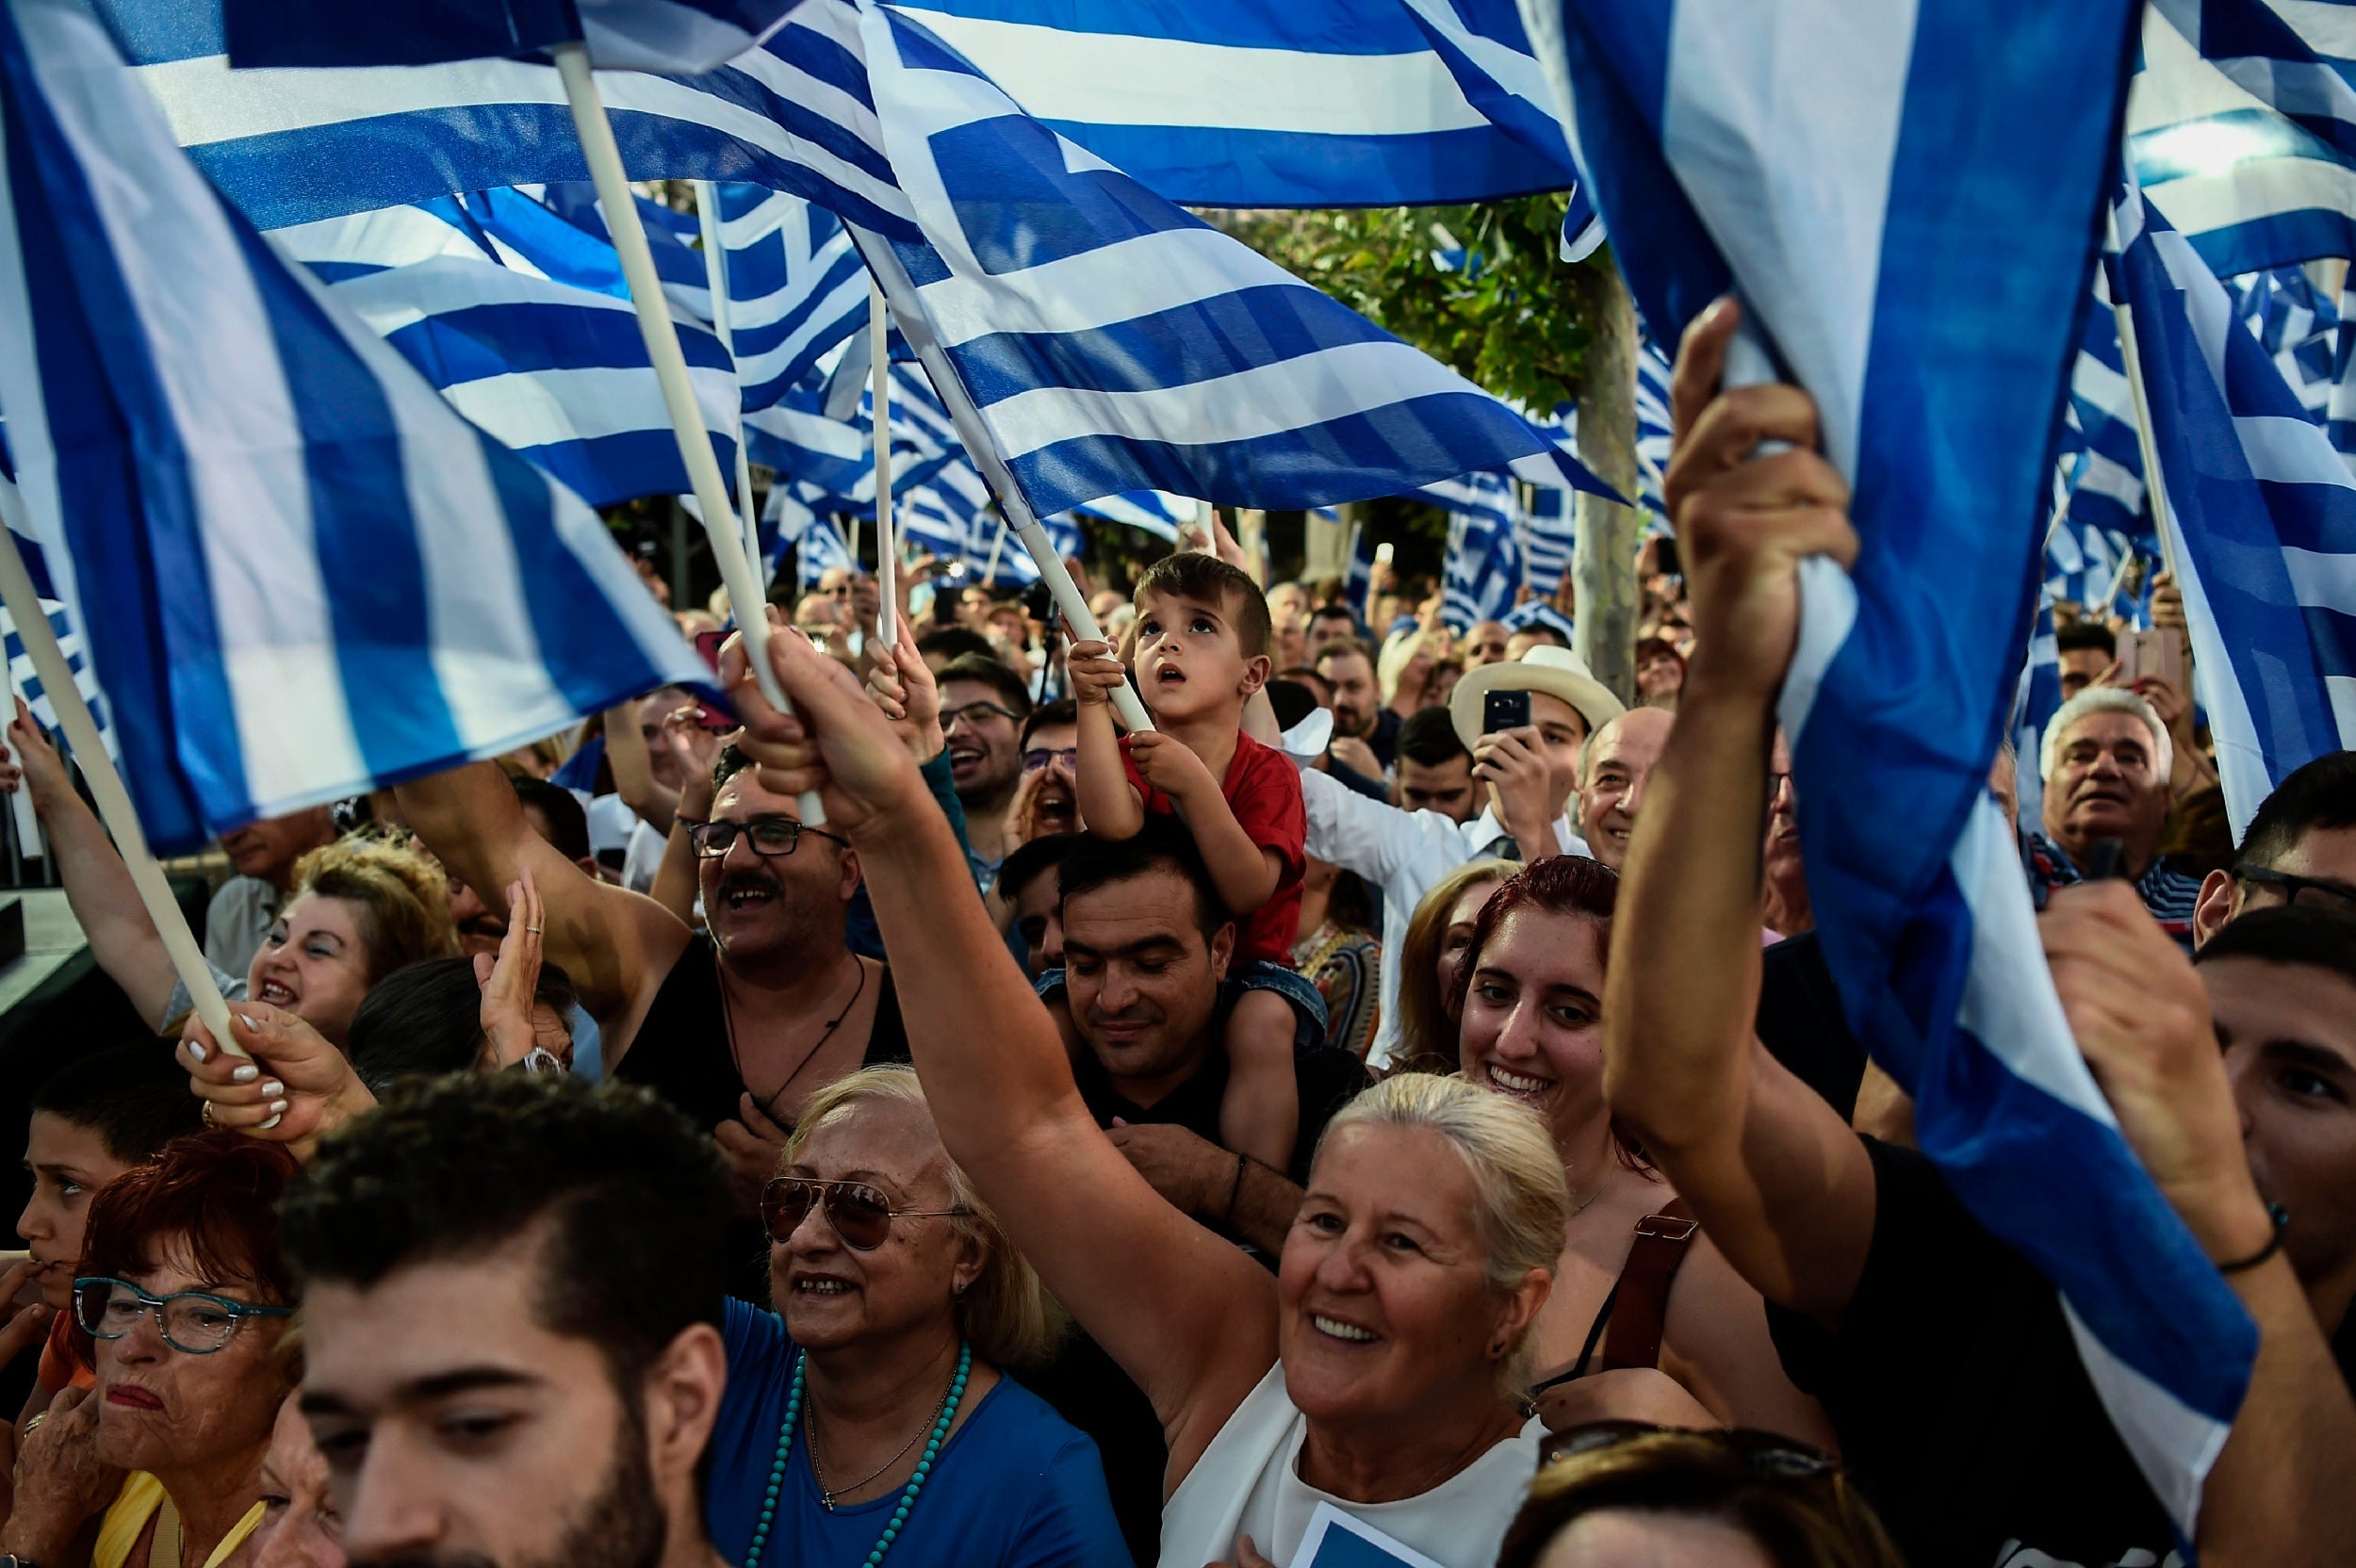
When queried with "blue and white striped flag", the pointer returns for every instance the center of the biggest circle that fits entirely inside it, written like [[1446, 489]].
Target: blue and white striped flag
[[1483, 568], [796, 288], [2100, 517], [2229, 147], [2261, 514], [686, 282], [1232, 102], [1155, 512], [1549, 536], [683, 36], [1487, 51], [302, 575], [522, 322], [1108, 341], [1540, 612], [2296, 325], [292, 145], [1813, 157], [2033, 707], [794, 520], [23, 678]]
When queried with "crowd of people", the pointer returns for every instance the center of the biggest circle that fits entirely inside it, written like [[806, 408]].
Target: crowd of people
[[1401, 1085]]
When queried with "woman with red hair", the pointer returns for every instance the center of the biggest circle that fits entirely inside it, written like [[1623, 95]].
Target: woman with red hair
[[182, 1298], [1646, 1318]]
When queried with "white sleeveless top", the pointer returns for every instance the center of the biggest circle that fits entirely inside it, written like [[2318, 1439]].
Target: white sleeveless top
[[1247, 1482]]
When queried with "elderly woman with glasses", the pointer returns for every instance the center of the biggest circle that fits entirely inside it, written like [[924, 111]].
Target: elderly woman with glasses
[[186, 1297], [867, 1419]]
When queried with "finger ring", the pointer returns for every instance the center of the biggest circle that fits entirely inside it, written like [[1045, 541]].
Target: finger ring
[[34, 1421], [534, 929], [205, 1115]]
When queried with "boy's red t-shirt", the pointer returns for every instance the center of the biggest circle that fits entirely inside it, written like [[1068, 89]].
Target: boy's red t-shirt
[[1262, 788]]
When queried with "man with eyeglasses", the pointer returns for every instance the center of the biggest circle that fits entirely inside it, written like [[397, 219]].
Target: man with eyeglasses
[[983, 704], [2299, 849]]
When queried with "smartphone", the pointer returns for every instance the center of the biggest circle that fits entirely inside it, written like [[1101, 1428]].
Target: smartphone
[[1504, 710], [2159, 652], [1665, 557], [708, 715]]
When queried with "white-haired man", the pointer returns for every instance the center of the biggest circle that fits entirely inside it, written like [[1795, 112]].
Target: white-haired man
[[2106, 759]]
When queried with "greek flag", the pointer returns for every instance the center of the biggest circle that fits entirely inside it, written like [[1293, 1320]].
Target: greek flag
[[1653, 430], [685, 36], [23, 678], [1104, 340], [301, 573], [1358, 581], [2261, 514], [522, 322], [799, 525], [796, 288], [1155, 512], [2246, 153], [1532, 612], [2033, 707], [2296, 325], [2100, 518], [1232, 102], [1484, 46], [1483, 568], [686, 282], [291, 145], [1813, 155], [1548, 529]]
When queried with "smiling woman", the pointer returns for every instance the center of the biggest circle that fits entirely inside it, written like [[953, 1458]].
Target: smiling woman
[[182, 1298], [1637, 1286], [871, 1418]]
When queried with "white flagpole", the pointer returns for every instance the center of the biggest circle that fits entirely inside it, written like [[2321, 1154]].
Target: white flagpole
[[997, 544], [105, 788], [670, 371], [1016, 511], [887, 537], [717, 274]]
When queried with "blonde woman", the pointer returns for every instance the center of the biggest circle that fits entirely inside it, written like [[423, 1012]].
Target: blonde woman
[[1426, 964], [357, 909]]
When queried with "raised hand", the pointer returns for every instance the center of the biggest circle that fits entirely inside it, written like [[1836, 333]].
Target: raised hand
[[1096, 675], [1170, 767], [753, 1143], [296, 1087], [511, 981], [33, 761], [836, 740], [1745, 524], [902, 687]]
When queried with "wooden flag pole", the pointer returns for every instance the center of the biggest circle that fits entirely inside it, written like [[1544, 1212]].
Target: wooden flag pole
[[886, 534], [717, 275], [670, 372], [107, 790]]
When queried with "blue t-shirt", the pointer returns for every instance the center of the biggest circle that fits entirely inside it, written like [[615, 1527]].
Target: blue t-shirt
[[1015, 1487]]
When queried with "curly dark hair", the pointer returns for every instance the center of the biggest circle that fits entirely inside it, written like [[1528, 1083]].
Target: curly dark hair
[[637, 1202]]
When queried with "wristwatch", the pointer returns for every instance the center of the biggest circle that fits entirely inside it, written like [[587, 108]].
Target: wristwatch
[[10, 1560]]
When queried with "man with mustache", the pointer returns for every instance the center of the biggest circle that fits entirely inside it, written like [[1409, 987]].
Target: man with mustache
[[511, 1291], [2106, 759]]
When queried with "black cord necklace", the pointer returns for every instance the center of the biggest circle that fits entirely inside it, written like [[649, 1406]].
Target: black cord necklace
[[728, 1016]]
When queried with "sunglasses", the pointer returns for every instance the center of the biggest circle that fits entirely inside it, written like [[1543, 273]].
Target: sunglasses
[[860, 1215], [2329, 894], [1766, 1455]]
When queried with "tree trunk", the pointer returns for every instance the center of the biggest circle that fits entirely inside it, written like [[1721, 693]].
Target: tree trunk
[[1603, 561]]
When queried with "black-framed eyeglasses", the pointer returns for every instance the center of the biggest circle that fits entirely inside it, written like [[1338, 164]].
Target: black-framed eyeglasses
[[194, 1322], [2330, 892], [1770, 1456], [769, 836], [973, 713], [1037, 759], [861, 1215]]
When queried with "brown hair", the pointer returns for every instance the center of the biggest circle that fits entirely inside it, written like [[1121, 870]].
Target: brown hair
[[1192, 575], [1801, 1514], [400, 897]]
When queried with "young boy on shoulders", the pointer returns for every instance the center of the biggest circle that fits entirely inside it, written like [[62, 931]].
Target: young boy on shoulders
[[1200, 654]]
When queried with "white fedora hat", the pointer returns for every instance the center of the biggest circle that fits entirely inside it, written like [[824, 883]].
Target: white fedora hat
[[1557, 672]]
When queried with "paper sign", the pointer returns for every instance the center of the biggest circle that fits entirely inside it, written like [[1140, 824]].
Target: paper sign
[[1337, 1540]]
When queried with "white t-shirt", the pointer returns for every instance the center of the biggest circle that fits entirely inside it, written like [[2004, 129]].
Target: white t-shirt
[[1247, 1482]]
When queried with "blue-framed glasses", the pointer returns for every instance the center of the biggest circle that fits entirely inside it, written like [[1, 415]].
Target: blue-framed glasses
[[194, 1322]]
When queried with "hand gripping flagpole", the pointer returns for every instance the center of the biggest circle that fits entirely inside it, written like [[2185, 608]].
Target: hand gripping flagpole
[[886, 534], [670, 373], [885, 268], [105, 788], [717, 274]]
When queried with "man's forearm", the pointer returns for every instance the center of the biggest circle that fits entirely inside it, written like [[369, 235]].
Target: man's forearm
[[2283, 1494], [1266, 1202]]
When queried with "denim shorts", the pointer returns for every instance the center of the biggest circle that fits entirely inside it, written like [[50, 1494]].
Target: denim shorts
[[1251, 975]]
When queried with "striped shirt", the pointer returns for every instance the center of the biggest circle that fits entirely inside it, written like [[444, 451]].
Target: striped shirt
[[2169, 893]]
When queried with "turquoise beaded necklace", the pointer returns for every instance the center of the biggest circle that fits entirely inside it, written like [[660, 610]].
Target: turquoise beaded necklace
[[916, 1482]]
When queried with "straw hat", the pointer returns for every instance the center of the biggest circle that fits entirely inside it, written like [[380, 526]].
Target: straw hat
[[1557, 672]]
